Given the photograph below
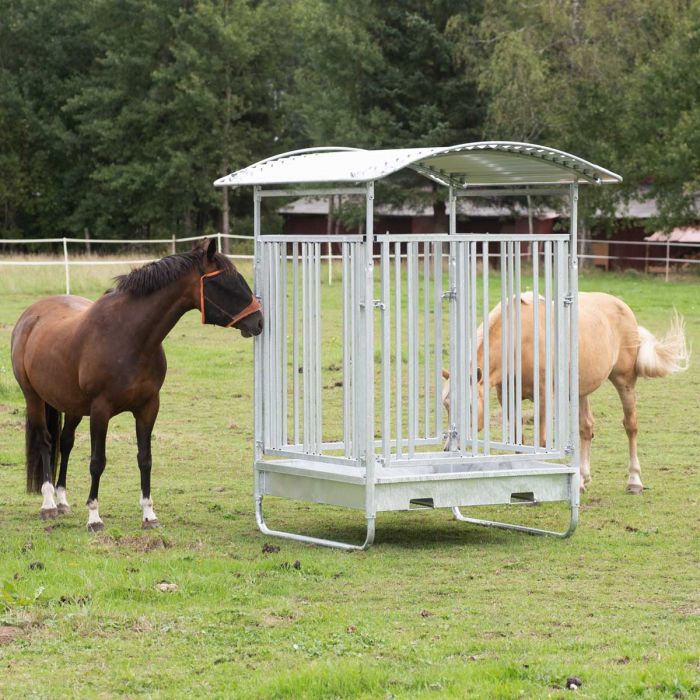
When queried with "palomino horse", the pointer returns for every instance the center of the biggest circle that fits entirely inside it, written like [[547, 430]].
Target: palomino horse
[[611, 346], [78, 358]]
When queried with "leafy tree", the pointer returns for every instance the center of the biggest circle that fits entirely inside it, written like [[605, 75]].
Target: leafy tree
[[562, 73], [179, 92], [43, 53]]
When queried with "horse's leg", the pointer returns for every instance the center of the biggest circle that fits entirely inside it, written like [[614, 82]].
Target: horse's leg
[[145, 419], [585, 429], [39, 442], [625, 388], [99, 420], [67, 441]]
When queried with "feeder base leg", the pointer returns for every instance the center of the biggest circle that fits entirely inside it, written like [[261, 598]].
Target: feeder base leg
[[260, 518]]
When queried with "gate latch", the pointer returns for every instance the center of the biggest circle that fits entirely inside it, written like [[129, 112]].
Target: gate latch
[[451, 295], [378, 304], [568, 300]]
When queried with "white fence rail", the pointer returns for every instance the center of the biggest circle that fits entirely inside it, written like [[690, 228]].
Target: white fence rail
[[67, 262]]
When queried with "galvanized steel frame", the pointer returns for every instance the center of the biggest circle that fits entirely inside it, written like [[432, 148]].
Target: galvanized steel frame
[[294, 453]]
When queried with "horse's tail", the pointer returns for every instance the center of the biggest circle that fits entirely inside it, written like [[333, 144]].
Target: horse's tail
[[34, 441], [657, 358]]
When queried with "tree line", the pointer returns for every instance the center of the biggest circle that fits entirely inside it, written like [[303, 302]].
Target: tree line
[[117, 115]]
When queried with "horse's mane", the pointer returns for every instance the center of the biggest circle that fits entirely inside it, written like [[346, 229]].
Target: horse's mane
[[160, 273]]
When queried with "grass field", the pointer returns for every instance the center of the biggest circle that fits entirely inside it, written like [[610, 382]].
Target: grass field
[[435, 609]]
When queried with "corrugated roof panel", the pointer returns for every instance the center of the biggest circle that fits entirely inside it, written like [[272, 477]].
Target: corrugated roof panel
[[481, 163]]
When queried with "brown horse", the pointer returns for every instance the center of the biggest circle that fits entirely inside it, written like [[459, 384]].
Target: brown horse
[[611, 346], [78, 358]]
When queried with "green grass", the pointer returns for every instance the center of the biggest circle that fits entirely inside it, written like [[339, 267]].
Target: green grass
[[435, 609]]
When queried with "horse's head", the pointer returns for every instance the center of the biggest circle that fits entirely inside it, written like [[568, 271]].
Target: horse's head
[[225, 298], [446, 399]]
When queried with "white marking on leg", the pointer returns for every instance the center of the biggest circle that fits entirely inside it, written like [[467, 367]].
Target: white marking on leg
[[93, 514], [61, 497], [149, 514], [47, 491], [635, 477], [585, 463]]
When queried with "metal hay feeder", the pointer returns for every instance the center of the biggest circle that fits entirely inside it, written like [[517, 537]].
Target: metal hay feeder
[[411, 305]]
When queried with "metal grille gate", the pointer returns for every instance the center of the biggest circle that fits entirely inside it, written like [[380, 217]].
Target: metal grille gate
[[363, 425]]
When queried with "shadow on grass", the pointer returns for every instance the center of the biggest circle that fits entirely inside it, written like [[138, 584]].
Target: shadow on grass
[[423, 530]]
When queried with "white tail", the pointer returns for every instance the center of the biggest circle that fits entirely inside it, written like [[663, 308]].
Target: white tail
[[657, 358]]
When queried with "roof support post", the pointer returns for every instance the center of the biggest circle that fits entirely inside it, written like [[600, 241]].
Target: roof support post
[[573, 348], [366, 360]]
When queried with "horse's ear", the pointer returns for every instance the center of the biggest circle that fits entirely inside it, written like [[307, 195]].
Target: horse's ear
[[445, 374], [211, 250]]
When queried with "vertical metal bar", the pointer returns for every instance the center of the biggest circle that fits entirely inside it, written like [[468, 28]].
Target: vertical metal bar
[[295, 338], [518, 349], [437, 324], [283, 341], [319, 360], [511, 344], [368, 369], [258, 286], [474, 400], [412, 344], [455, 398], [573, 310], [548, 343], [313, 360], [504, 347], [353, 348], [386, 352], [347, 322], [463, 343], [536, 340], [306, 369], [562, 373], [276, 342], [399, 350], [556, 379], [486, 358], [426, 338], [269, 345], [454, 369]]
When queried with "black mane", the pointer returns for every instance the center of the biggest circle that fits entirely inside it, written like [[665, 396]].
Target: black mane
[[160, 273]]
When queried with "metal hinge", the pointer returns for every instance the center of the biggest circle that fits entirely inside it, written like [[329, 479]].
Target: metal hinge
[[378, 304], [568, 300], [451, 295], [569, 450]]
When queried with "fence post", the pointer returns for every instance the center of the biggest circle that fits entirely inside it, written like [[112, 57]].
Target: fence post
[[668, 255], [218, 242], [173, 247], [65, 263]]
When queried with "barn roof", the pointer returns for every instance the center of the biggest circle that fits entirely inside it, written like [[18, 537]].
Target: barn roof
[[483, 163]]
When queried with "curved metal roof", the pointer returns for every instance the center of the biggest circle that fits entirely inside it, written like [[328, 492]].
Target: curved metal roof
[[483, 163]]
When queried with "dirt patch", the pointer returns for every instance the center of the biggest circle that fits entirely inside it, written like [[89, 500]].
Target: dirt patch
[[9, 634], [273, 619], [136, 543], [17, 425]]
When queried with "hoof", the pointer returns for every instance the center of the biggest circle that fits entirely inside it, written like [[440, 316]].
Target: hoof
[[63, 509], [49, 513], [150, 524], [634, 489], [95, 527]]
